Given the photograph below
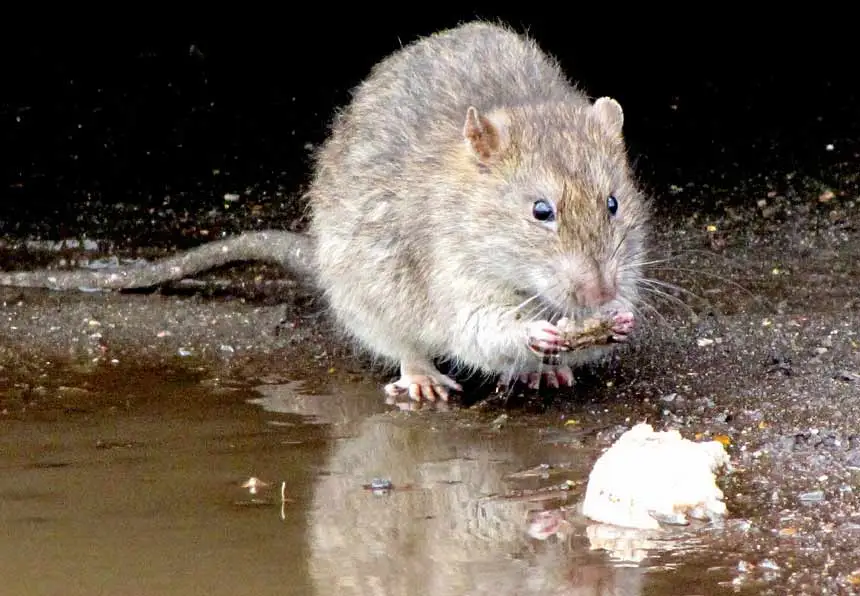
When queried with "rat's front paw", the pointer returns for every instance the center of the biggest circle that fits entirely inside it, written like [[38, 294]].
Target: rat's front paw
[[544, 338], [622, 326]]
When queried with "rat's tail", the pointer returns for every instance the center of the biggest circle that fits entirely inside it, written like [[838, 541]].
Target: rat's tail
[[291, 250]]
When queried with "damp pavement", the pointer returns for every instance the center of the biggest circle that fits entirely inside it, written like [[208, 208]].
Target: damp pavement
[[217, 435]]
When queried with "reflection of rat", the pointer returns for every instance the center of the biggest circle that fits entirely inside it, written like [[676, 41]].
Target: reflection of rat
[[466, 200]]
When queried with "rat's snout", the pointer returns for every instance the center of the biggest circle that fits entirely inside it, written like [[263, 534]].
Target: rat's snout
[[596, 289], [588, 283]]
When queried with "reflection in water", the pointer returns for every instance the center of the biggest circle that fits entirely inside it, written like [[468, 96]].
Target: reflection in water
[[127, 482], [440, 532]]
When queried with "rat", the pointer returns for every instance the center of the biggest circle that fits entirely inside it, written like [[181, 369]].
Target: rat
[[468, 203]]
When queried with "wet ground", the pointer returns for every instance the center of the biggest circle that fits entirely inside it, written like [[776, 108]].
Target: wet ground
[[130, 422]]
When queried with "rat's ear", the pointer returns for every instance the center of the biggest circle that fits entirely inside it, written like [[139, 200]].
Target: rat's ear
[[484, 135], [609, 114]]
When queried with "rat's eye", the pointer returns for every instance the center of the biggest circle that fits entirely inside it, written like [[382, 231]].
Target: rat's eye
[[612, 204], [543, 211]]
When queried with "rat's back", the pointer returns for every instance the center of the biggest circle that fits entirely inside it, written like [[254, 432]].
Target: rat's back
[[430, 84], [413, 103]]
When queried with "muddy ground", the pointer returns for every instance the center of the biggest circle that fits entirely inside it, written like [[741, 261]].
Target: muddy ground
[[761, 345]]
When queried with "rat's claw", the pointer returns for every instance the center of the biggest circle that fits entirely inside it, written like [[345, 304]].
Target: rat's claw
[[560, 376], [531, 380], [544, 338], [564, 376], [622, 326], [423, 387]]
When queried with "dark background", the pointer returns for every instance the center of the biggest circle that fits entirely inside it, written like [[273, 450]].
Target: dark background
[[137, 128]]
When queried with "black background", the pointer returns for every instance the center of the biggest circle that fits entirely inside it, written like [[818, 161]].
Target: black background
[[134, 109]]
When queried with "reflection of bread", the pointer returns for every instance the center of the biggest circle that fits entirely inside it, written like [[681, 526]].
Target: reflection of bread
[[436, 532]]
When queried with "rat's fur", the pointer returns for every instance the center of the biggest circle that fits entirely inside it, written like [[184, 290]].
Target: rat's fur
[[422, 236], [422, 201]]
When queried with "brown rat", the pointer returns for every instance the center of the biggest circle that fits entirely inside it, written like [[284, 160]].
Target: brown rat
[[468, 199]]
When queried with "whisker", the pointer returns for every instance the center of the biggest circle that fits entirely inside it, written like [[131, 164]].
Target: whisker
[[637, 312], [522, 304], [541, 313], [618, 246], [709, 253], [636, 264], [665, 284], [669, 297], [713, 275], [691, 251], [647, 286]]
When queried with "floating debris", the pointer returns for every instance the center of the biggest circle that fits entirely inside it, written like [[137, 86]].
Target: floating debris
[[380, 486], [254, 485]]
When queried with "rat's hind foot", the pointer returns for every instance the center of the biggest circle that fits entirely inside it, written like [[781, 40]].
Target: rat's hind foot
[[544, 338], [423, 387], [560, 376], [622, 326], [422, 382]]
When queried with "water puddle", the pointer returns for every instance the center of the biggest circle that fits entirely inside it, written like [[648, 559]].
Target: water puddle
[[156, 483]]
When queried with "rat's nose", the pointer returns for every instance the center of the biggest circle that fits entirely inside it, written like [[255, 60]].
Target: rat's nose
[[596, 290]]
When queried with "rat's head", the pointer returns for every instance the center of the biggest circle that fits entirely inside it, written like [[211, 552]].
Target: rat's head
[[570, 221]]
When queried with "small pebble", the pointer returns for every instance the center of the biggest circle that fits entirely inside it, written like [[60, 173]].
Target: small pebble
[[847, 375], [741, 525], [853, 461], [851, 527], [831, 442], [814, 496]]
